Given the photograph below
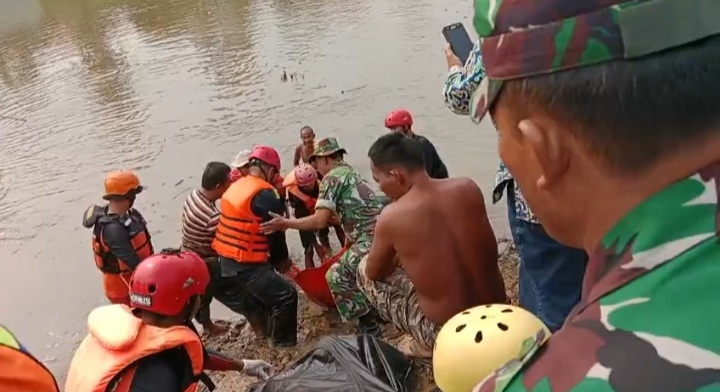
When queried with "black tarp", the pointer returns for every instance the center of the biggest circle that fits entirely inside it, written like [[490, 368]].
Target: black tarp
[[344, 364]]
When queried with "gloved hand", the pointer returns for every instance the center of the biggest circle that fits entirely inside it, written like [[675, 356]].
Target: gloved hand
[[257, 368]]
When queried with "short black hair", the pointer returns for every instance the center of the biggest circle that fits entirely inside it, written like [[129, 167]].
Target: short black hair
[[216, 174], [306, 127], [396, 149], [632, 113]]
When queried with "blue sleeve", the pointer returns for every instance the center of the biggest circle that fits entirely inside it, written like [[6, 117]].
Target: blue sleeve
[[461, 83], [155, 374]]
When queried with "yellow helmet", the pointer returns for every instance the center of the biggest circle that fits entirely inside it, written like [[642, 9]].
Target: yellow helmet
[[476, 342]]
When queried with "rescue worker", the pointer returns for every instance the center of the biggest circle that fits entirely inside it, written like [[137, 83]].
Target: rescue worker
[[19, 370], [248, 283], [344, 192], [120, 238], [153, 346], [400, 120], [303, 188], [240, 165]]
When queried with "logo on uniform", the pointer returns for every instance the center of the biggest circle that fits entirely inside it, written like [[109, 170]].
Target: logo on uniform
[[142, 300]]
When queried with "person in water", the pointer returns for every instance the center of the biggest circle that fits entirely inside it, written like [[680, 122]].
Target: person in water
[[120, 237], [303, 189], [240, 167], [629, 171], [153, 345], [200, 218], [434, 252], [305, 149], [19, 370], [249, 259], [401, 121], [345, 193]]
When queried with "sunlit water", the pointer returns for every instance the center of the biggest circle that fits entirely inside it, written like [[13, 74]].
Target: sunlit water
[[165, 86]]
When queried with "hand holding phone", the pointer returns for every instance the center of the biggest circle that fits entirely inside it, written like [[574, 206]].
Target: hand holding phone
[[459, 40]]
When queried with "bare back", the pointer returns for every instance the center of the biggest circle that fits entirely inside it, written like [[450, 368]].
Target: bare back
[[445, 243]]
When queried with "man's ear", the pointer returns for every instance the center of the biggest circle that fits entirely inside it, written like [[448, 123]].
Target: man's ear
[[551, 153]]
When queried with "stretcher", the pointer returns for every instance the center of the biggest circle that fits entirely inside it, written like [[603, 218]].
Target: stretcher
[[313, 282]]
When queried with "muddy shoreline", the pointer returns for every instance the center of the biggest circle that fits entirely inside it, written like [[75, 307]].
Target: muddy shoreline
[[314, 323]]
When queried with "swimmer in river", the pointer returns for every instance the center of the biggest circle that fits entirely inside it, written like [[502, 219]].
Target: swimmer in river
[[434, 253]]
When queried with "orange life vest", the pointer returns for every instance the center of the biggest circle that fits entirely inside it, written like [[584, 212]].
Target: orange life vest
[[238, 234], [116, 340], [139, 238], [20, 371], [306, 199]]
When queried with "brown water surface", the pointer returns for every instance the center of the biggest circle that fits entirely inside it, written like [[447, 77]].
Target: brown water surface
[[164, 86]]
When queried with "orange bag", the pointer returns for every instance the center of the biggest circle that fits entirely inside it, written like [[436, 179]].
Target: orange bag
[[313, 283]]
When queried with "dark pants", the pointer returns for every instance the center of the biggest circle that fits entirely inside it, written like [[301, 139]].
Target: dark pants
[[203, 314], [257, 292], [551, 274]]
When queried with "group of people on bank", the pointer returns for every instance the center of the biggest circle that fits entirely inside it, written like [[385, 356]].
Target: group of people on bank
[[608, 133]]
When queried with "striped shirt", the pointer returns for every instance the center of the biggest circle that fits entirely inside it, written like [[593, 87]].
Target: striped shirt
[[199, 222]]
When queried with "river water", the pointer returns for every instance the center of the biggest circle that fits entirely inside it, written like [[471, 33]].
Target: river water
[[164, 86]]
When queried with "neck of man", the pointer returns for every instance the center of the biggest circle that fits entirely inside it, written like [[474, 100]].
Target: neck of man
[[611, 198], [209, 194], [257, 171], [115, 208]]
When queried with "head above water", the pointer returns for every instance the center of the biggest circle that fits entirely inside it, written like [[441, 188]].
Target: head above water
[[399, 120], [121, 188], [397, 162], [307, 135], [166, 287], [625, 96], [215, 179], [327, 154]]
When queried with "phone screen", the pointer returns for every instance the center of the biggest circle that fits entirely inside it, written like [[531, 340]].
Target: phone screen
[[459, 40]]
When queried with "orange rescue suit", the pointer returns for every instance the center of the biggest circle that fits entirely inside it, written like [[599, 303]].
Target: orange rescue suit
[[116, 273], [238, 235], [116, 341], [20, 371]]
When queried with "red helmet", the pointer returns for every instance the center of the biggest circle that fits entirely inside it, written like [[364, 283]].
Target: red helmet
[[165, 282], [398, 118], [305, 175], [266, 154]]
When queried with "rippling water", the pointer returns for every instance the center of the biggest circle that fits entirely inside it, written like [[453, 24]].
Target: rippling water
[[87, 86]]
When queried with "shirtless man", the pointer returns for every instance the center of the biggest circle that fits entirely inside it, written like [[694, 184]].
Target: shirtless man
[[306, 148], [434, 253]]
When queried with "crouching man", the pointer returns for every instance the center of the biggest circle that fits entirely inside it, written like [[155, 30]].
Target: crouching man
[[434, 253]]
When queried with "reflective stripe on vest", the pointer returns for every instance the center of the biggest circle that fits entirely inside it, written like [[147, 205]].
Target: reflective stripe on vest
[[19, 370], [307, 200], [117, 340], [107, 262], [238, 234]]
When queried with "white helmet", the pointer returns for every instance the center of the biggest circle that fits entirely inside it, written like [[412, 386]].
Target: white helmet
[[241, 159], [476, 342]]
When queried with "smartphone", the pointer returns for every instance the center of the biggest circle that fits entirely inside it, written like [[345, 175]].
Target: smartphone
[[459, 40]]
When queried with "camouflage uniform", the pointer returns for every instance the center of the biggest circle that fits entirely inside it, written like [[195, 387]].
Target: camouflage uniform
[[647, 320], [345, 192], [396, 301]]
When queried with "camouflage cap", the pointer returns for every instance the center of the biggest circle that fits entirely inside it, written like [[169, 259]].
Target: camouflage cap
[[325, 147], [522, 38]]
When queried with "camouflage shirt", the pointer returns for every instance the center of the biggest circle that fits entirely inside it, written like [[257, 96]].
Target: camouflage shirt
[[346, 193], [648, 319]]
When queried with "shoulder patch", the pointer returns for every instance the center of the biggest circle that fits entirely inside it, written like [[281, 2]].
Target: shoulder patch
[[89, 213], [277, 194]]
